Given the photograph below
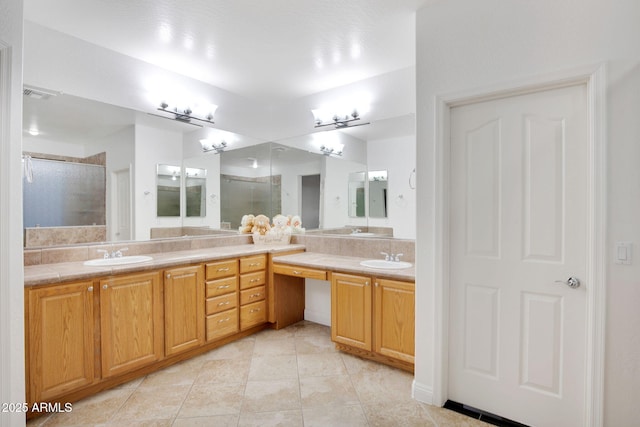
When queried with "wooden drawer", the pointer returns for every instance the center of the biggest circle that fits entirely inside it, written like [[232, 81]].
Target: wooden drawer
[[221, 303], [252, 295], [252, 279], [222, 324], [219, 269], [253, 263], [253, 314], [222, 286], [307, 273]]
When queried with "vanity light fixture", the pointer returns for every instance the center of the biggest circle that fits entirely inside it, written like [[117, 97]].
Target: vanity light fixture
[[337, 120], [335, 151], [208, 145], [186, 115]]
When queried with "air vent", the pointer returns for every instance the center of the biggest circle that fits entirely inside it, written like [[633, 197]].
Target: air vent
[[39, 93]]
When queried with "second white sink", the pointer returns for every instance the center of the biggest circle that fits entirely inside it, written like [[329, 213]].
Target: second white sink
[[103, 262], [384, 264]]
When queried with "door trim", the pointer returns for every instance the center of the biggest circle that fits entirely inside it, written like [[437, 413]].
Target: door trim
[[594, 77]]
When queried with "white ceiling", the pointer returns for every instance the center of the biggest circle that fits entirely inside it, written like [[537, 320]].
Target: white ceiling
[[265, 50]]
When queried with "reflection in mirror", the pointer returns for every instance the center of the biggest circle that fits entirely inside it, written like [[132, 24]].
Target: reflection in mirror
[[195, 192], [378, 194], [168, 183], [356, 195], [245, 184]]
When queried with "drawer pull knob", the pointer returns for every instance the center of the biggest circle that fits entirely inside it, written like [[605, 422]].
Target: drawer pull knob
[[254, 280], [254, 264], [105, 286], [223, 320], [224, 269], [223, 303], [297, 272], [254, 295], [254, 310], [90, 288], [223, 287]]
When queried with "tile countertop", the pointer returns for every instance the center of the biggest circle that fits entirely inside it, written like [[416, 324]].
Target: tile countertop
[[45, 274], [346, 264]]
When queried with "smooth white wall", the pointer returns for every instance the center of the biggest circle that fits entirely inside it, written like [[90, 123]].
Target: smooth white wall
[[469, 45], [12, 387], [152, 146], [397, 156], [38, 144]]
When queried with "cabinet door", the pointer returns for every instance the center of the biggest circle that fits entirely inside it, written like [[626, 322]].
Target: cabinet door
[[394, 316], [60, 339], [131, 322], [183, 309], [351, 310]]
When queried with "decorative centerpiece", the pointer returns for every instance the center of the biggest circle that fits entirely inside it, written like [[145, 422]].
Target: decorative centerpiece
[[266, 233]]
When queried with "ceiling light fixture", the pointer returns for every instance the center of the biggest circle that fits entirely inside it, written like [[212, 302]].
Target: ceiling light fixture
[[208, 145], [186, 114], [329, 151]]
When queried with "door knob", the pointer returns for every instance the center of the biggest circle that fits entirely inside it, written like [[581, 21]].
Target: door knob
[[572, 282]]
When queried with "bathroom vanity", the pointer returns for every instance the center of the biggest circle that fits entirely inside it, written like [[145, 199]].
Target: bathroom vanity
[[89, 328]]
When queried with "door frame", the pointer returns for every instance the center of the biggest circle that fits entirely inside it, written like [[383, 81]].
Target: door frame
[[594, 78]]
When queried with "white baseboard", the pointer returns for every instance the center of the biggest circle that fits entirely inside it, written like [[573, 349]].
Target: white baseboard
[[422, 393], [317, 317]]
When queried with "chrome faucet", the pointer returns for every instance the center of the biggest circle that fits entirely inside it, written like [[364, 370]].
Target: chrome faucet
[[392, 257], [356, 231], [113, 253]]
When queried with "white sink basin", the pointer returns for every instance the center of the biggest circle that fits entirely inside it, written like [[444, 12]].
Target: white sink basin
[[386, 265], [362, 234], [103, 262]]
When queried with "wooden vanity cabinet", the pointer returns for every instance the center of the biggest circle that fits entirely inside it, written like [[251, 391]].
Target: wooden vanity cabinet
[[131, 322], [374, 318], [253, 305], [60, 347], [221, 305], [184, 309], [394, 319]]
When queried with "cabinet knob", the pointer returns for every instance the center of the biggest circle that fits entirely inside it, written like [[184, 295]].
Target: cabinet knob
[[297, 272], [223, 303], [168, 276], [254, 310], [90, 288], [366, 283], [105, 286], [377, 284], [224, 269]]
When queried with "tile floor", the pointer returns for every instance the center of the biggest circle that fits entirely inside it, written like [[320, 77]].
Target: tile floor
[[290, 377]]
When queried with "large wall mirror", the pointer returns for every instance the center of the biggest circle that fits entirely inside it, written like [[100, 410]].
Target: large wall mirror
[[157, 177]]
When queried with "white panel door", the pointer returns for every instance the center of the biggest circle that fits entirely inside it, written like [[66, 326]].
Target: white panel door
[[121, 205], [519, 174]]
